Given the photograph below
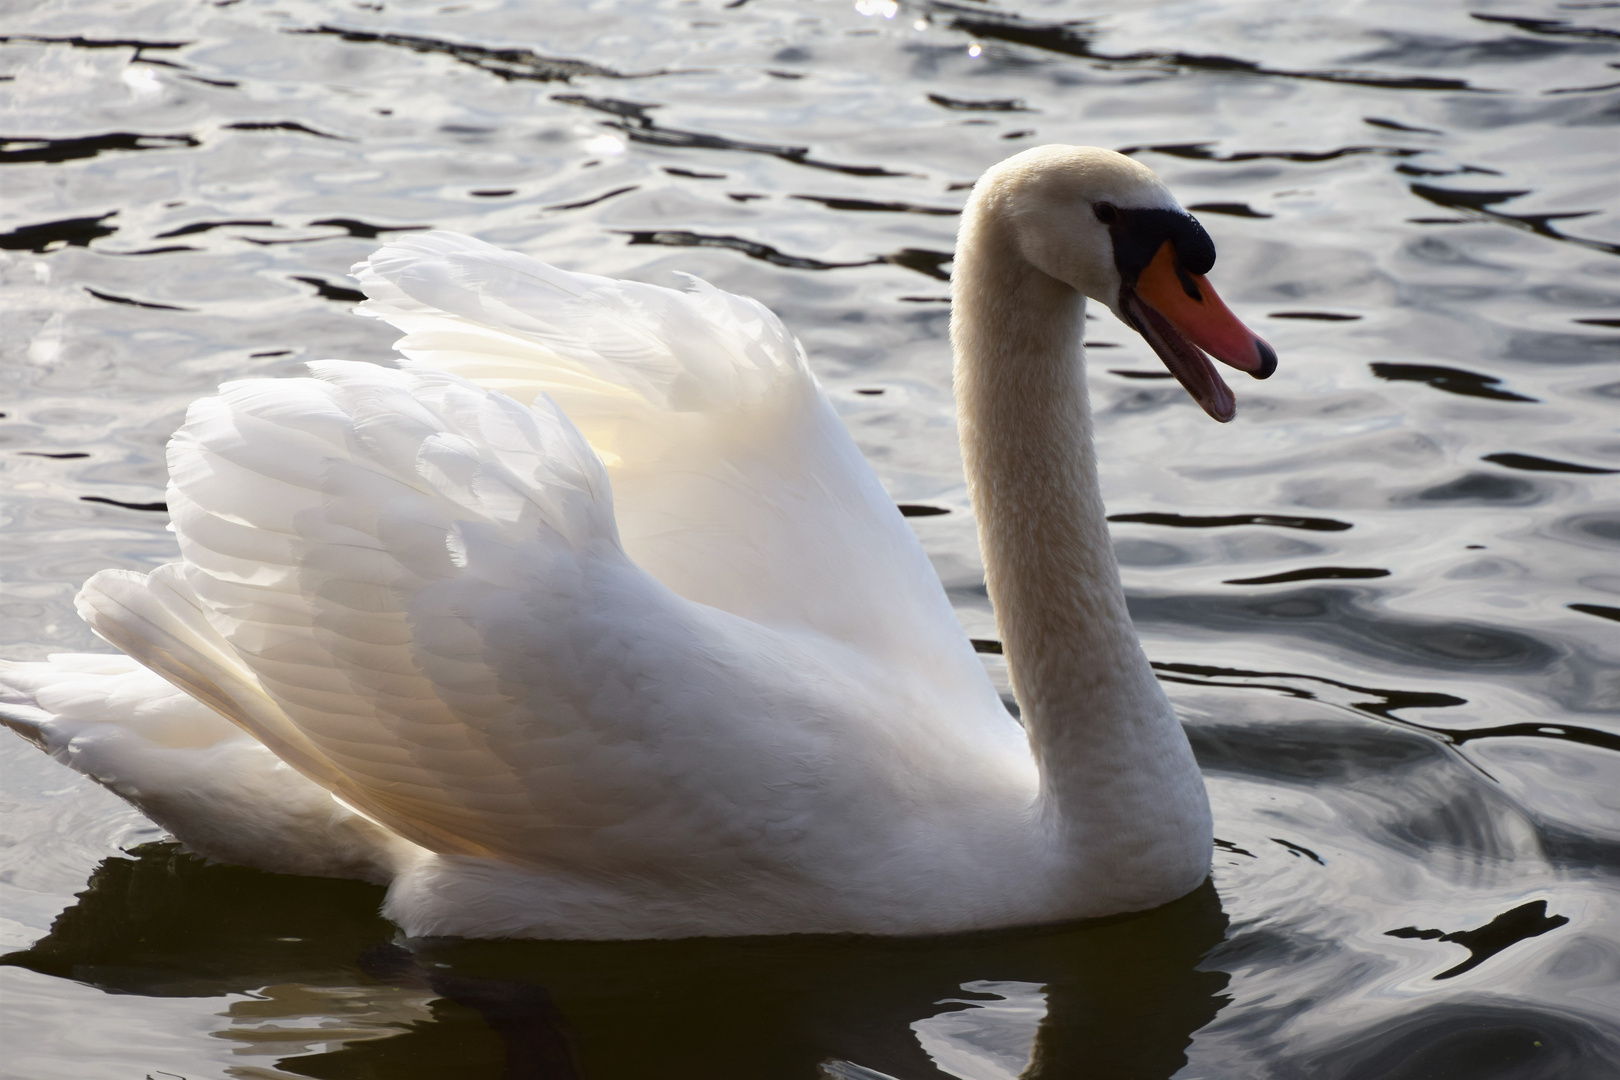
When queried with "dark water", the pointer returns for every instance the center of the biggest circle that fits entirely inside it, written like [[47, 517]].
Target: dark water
[[1385, 598]]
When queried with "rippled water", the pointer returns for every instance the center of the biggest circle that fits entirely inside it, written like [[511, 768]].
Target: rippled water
[[1384, 599]]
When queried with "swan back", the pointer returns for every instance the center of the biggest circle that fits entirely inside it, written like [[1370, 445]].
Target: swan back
[[412, 591]]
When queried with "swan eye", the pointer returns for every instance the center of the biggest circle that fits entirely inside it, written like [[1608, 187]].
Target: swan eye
[[1106, 213]]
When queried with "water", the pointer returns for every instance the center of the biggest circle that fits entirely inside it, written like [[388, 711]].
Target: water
[[1384, 598]]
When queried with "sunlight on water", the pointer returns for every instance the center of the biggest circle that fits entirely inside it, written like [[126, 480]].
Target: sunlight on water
[[1384, 599], [990, 1038]]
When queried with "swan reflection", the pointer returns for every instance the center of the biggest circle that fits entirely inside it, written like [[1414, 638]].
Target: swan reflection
[[318, 985]]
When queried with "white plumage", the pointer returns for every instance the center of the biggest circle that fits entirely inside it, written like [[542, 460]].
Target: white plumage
[[591, 622]]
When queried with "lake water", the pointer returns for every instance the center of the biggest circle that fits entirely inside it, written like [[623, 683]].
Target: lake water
[[1385, 598]]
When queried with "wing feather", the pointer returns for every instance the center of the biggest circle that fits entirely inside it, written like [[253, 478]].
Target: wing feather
[[734, 482], [449, 636], [668, 635]]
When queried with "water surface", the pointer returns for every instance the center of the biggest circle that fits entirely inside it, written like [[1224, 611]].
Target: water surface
[[1384, 598]]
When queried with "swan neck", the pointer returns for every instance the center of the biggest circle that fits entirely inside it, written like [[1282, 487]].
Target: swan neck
[[1084, 687]]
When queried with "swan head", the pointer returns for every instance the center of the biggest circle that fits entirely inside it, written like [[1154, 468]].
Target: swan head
[[1105, 225]]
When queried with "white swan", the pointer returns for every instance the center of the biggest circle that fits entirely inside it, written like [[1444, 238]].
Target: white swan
[[591, 622]]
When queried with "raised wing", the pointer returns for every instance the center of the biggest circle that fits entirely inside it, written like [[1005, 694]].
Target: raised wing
[[412, 591], [735, 483]]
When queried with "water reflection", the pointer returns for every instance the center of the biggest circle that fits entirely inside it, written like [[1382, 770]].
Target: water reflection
[[1525, 921], [1116, 998], [1451, 380]]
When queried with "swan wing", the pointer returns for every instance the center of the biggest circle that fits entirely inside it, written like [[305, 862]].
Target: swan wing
[[412, 591], [734, 481]]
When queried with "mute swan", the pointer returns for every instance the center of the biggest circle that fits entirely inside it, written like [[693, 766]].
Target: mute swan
[[591, 621]]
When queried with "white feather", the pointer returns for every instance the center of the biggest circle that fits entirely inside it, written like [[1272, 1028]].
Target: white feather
[[592, 622]]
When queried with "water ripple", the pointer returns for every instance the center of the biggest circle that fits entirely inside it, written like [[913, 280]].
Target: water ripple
[[1404, 705]]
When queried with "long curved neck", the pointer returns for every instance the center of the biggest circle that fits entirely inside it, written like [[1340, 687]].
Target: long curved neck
[[1092, 707]]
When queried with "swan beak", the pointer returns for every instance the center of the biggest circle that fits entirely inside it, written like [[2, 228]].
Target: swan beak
[[1182, 318]]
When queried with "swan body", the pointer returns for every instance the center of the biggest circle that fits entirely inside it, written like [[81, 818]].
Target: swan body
[[590, 621]]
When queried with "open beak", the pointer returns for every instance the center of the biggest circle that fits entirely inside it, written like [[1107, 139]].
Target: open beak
[[1182, 318]]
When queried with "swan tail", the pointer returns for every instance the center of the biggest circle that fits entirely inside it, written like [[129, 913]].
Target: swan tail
[[22, 684], [188, 769]]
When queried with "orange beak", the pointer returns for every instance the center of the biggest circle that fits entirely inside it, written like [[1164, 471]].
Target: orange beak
[[1182, 318]]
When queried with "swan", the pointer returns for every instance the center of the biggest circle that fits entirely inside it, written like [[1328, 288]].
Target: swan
[[589, 620]]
